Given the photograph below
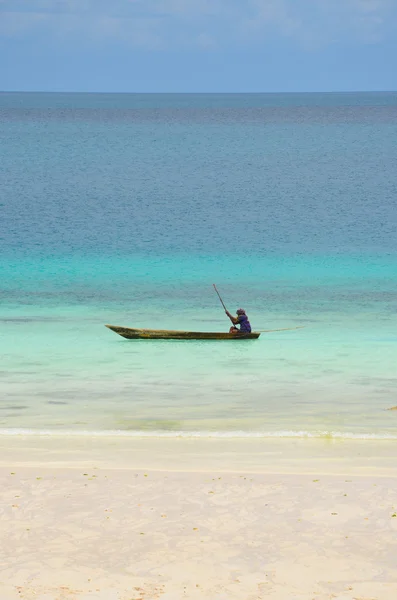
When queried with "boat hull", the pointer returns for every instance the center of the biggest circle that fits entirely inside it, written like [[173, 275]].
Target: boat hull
[[165, 334]]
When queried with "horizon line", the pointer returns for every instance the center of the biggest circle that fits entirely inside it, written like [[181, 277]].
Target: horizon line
[[198, 93]]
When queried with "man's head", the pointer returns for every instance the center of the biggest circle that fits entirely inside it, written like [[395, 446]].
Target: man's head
[[240, 311]]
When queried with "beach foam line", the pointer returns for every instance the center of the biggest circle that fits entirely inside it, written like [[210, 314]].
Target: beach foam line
[[197, 434]]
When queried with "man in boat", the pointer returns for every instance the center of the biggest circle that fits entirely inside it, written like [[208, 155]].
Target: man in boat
[[242, 320]]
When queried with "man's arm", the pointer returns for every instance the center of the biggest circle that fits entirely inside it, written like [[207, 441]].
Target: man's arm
[[234, 320]]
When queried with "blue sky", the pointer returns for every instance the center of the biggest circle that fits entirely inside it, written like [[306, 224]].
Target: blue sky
[[198, 45]]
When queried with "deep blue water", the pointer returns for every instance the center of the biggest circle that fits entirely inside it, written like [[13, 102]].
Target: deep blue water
[[198, 174]]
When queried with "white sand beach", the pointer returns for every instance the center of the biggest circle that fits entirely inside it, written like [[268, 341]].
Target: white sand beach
[[134, 519]]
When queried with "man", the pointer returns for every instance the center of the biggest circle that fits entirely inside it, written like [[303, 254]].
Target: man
[[242, 320]]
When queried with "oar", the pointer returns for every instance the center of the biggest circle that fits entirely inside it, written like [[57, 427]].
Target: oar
[[285, 329], [219, 296]]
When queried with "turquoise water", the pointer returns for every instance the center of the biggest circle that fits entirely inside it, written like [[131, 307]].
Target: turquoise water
[[124, 209]]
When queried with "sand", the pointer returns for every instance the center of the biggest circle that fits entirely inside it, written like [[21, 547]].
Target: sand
[[141, 519]]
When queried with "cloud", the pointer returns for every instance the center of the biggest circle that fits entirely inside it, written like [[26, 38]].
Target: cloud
[[13, 24], [71, 20], [370, 6], [155, 24], [205, 41]]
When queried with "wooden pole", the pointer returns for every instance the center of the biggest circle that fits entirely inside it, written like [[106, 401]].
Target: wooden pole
[[219, 296], [285, 329]]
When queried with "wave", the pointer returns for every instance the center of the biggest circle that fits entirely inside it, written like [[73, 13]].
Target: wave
[[330, 435]]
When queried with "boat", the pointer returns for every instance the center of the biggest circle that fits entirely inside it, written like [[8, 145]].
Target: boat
[[166, 334]]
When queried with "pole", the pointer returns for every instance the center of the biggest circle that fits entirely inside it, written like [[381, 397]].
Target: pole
[[219, 297]]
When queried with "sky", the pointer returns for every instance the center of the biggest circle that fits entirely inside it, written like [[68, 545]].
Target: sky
[[198, 45]]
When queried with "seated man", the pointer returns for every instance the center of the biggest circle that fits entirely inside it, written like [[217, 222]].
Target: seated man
[[242, 320]]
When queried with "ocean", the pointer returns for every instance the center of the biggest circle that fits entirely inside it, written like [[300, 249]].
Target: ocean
[[126, 208]]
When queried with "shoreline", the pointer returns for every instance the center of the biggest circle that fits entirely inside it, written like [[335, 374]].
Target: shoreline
[[256, 455]]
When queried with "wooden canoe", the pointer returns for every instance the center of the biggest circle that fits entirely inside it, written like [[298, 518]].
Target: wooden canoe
[[165, 334]]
